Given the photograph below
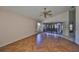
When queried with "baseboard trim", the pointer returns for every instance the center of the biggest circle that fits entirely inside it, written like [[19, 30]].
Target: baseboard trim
[[25, 37]]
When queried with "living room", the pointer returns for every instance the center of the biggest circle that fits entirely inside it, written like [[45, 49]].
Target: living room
[[39, 28]]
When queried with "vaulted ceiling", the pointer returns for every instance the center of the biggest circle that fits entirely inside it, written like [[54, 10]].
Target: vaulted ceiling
[[34, 11]]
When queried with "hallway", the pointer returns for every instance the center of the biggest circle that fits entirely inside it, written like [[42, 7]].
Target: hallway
[[42, 42]]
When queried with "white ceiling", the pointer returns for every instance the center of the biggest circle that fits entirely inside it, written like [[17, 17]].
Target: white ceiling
[[34, 11]]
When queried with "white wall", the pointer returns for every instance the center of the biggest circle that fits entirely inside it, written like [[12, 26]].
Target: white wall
[[63, 17], [77, 25], [14, 27]]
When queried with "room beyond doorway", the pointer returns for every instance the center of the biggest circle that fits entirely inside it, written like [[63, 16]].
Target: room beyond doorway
[[55, 27]]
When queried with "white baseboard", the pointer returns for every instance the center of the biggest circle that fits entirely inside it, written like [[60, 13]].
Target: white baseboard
[[16, 40]]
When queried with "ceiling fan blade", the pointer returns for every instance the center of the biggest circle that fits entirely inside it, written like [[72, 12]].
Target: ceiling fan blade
[[49, 11], [50, 14]]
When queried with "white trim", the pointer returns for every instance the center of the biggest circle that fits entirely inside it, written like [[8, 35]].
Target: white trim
[[16, 40]]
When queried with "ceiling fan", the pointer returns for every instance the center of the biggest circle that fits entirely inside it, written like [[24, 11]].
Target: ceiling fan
[[46, 13]]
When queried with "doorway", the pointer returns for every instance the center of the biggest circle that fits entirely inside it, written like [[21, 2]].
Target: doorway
[[55, 27]]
